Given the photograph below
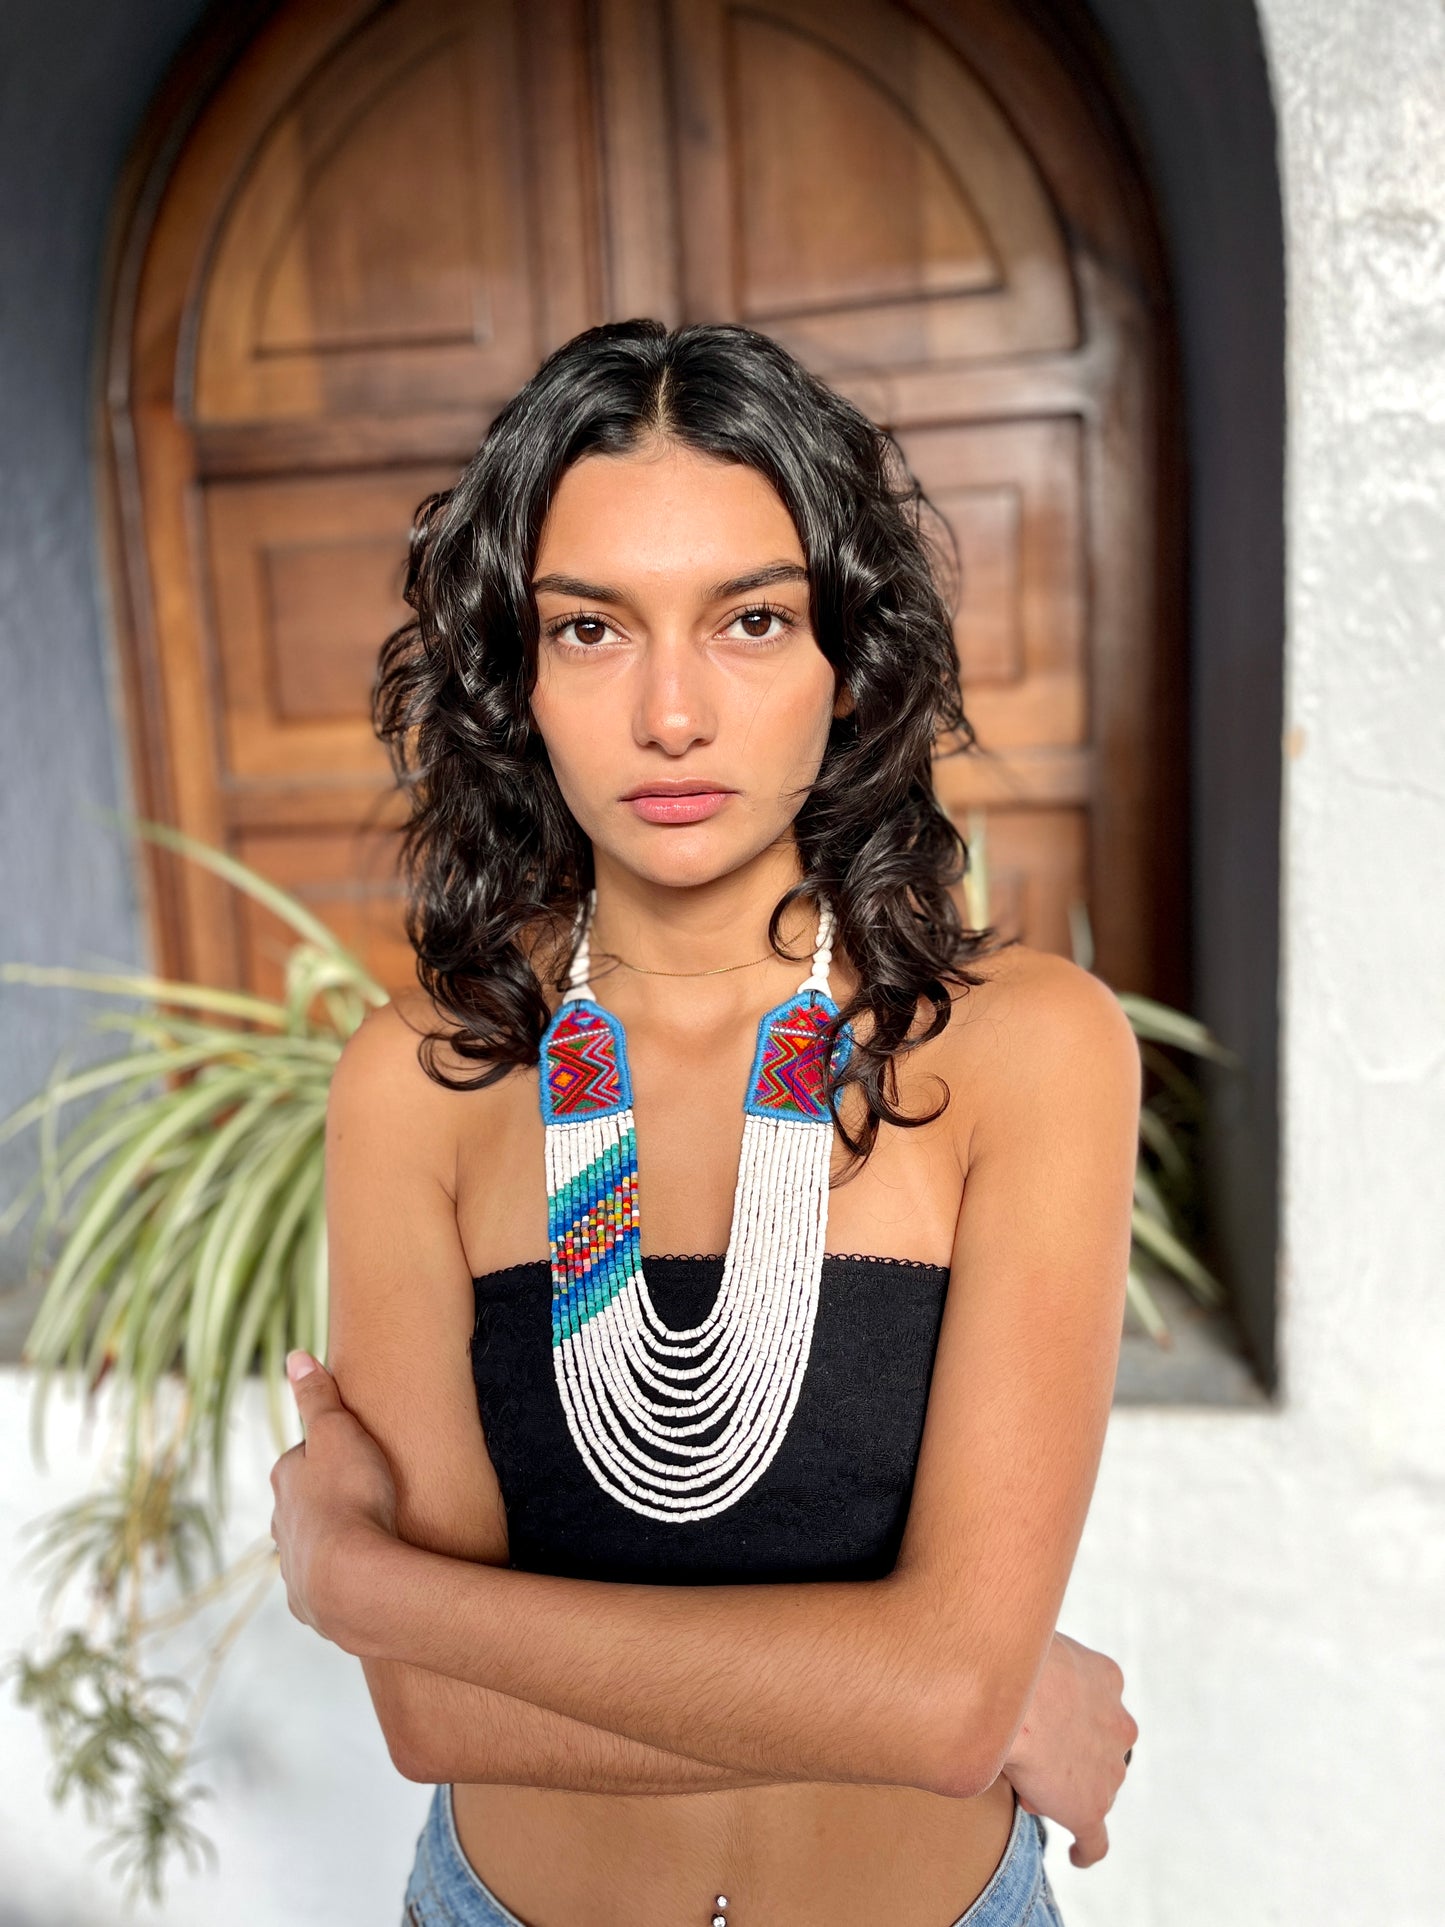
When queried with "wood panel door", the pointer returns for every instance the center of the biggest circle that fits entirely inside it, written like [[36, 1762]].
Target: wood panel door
[[380, 220]]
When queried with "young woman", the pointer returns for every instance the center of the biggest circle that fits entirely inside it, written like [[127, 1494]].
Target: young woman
[[727, 1246]]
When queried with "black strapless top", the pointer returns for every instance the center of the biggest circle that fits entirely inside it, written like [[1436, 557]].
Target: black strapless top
[[834, 1500]]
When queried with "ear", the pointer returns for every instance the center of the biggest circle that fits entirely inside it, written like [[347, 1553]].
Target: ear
[[843, 701]]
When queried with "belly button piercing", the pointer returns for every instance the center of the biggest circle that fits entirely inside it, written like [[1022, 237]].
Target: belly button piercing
[[719, 1919]]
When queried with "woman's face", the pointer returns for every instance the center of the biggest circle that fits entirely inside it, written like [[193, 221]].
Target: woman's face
[[676, 653]]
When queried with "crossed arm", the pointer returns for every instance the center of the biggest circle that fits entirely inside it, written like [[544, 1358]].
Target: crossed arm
[[479, 1672], [706, 1685], [440, 1729]]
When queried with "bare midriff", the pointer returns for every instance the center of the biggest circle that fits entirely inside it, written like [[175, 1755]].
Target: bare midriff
[[794, 1855]]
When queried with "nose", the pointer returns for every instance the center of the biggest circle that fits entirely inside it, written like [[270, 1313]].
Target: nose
[[676, 704]]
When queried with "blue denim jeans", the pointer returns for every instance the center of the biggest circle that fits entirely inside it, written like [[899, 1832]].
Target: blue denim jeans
[[445, 1890]]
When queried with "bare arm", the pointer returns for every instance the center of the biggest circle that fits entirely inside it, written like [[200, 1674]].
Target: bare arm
[[921, 1678], [400, 1329], [441, 1729], [812, 1681], [1021, 1394]]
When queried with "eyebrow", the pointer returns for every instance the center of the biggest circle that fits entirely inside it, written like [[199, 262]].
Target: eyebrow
[[771, 575]]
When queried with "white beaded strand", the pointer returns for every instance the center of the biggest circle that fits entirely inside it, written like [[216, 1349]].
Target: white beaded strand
[[752, 1347]]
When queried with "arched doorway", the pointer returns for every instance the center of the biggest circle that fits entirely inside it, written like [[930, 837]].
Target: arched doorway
[[381, 217]]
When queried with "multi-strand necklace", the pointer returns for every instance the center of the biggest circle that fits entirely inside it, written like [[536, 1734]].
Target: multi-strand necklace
[[637, 1394]]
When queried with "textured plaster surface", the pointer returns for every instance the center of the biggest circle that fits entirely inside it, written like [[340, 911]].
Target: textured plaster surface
[[1273, 1584], [1271, 1581]]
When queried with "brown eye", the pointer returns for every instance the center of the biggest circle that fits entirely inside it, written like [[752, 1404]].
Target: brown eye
[[756, 625], [576, 640]]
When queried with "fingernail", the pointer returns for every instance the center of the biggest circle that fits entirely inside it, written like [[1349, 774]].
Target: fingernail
[[298, 1364]]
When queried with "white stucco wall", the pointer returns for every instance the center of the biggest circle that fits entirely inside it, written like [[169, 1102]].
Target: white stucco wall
[[1272, 1583]]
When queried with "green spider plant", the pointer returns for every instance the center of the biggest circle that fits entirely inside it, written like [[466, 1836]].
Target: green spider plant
[[181, 1234], [186, 1215], [191, 1193]]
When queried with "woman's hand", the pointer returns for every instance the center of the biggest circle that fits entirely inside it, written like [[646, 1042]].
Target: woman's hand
[[1067, 1760], [333, 1491]]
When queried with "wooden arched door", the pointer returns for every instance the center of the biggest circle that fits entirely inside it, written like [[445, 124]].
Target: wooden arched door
[[382, 217]]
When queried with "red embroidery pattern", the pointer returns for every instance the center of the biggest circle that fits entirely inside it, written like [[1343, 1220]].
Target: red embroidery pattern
[[582, 1072], [790, 1078]]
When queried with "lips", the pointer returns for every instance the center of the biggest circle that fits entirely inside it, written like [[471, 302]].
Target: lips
[[683, 803]]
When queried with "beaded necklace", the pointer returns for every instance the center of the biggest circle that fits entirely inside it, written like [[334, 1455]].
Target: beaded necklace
[[741, 1368]]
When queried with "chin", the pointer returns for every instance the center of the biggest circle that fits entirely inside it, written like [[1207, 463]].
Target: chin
[[682, 870], [681, 857]]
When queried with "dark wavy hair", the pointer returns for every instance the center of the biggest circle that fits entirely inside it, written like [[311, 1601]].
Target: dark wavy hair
[[491, 855]]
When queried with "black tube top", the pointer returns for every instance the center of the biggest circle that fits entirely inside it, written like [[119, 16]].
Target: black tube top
[[834, 1500]]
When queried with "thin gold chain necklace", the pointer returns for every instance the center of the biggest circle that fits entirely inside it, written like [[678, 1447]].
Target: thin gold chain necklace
[[718, 970]]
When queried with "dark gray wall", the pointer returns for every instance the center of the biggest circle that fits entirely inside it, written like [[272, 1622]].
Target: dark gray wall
[[75, 79], [1192, 76]]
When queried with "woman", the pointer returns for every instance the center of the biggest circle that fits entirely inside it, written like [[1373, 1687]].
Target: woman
[[708, 1574]]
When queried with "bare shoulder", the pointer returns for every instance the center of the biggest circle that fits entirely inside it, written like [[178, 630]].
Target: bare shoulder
[[1037, 1028], [380, 1079], [396, 1130], [1035, 1001], [382, 1052]]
